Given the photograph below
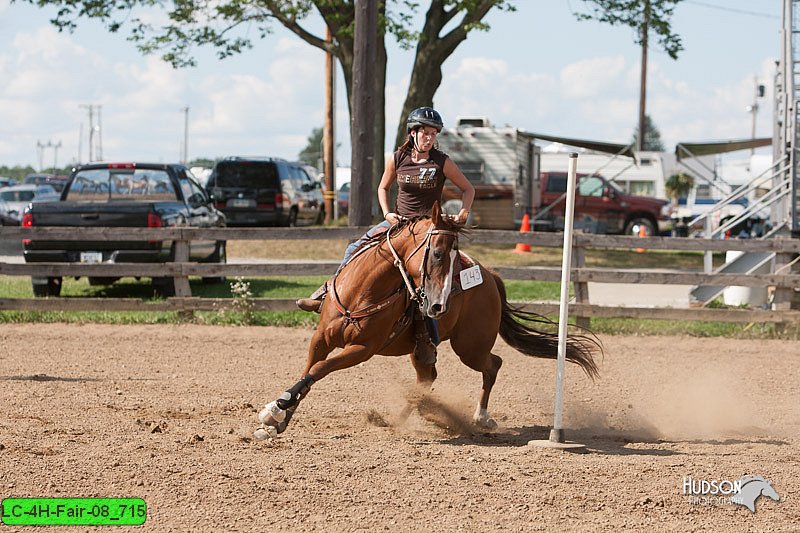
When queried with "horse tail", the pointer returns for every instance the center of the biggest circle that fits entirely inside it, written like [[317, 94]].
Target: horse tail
[[525, 338]]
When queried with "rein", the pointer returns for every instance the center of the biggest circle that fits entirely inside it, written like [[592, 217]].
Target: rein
[[417, 293]]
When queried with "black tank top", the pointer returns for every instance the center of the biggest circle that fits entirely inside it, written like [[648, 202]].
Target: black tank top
[[419, 184]]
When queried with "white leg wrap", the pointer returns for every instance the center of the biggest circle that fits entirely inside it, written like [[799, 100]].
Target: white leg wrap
[[482, 419], [272, 413]]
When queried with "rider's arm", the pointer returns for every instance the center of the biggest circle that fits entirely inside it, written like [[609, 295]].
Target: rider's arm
[[455, 175], [389, 177]]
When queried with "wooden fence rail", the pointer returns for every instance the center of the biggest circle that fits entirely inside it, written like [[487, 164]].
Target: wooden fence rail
[[782, 280]]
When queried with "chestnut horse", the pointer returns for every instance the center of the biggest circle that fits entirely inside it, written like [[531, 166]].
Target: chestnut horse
[[369, 307]]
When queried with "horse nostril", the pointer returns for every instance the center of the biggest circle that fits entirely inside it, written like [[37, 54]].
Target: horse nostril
[[436, 308]]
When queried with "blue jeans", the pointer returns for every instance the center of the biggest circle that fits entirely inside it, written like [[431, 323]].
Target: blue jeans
[[351, 248]]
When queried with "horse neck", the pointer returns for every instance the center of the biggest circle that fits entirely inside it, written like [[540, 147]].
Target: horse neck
[[407, 239]]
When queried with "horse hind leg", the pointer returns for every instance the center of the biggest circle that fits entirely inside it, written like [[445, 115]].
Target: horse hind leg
[[492, 365]]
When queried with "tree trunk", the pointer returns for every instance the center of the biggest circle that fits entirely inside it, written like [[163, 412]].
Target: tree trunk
[[363, 137]]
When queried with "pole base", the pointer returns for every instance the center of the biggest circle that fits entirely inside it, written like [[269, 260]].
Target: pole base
[[557, 442]]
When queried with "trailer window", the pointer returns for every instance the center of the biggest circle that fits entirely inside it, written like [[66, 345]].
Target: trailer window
[[472, 170]]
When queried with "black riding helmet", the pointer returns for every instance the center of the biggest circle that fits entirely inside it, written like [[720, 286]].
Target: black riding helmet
[[424, 116]]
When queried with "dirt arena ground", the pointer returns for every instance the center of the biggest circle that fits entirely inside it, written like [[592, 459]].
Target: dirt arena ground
[[166, 413]]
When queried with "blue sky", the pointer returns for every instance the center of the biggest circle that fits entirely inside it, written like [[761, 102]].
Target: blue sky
[[537, 69]]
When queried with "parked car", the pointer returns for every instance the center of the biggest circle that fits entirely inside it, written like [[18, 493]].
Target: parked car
[[56, 181], [343, 198], [265, 191], [7, 182], [14, 200], [125, 195]]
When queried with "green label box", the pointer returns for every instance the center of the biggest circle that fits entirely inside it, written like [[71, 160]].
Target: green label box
[[73, 511]]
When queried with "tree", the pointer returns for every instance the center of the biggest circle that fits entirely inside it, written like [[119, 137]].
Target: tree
[[652, 137], [641, 16], [228, 26], [678, 186], [312, 153]]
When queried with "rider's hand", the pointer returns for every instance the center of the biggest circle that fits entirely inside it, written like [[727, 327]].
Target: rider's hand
[[393, 218], [462, 216]]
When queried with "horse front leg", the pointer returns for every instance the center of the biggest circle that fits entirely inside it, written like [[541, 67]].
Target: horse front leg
[[275, 416], [426, 375]]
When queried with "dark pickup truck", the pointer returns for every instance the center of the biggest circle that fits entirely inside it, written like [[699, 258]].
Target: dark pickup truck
[[123, 195]]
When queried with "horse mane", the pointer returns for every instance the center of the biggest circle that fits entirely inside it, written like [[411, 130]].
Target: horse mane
[[446, 223]]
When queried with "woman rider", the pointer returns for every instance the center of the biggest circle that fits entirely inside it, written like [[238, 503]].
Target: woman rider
[[420, 171]]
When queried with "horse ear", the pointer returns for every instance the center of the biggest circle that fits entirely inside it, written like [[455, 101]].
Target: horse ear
[[436, 213]]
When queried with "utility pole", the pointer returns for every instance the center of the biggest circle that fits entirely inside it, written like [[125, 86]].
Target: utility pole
[[90, 108], [99, 134], [328, 134], [80, 144], [753, 109], [40, 149], [55, 156], [185, 154], [643, 86], [94, 155]]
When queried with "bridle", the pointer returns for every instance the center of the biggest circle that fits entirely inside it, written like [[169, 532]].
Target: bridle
[[418, 293]]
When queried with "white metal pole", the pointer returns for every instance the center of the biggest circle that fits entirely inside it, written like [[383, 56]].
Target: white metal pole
[[557, 433]]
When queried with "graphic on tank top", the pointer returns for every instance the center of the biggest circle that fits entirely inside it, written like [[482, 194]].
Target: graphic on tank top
[[426, 179]]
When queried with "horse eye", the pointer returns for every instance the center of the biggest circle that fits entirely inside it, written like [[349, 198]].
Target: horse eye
[[438, 254]]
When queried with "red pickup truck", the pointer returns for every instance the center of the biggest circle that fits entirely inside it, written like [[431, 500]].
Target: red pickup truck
[[600, 207]]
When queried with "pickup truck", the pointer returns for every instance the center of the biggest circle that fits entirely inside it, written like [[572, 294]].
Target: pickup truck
[[123, 195], [600, 207]]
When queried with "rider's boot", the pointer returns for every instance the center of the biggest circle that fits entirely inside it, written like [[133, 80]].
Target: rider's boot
[[424, 349], [314, 302]]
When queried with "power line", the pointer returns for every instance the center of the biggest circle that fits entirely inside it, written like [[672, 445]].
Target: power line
[[733, 9]]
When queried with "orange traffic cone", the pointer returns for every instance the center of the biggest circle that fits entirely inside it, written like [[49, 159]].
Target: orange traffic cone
[[524, 228], [642, 233]]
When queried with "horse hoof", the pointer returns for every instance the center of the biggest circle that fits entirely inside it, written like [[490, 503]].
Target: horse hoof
[[264, 433], [489, 424], [482, 419], [271, 414]]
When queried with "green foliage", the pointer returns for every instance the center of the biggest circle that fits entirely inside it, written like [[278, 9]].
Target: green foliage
[[634, 13], [312, 153], [678, 185], [202, 162], [652, 137], [17, 173]]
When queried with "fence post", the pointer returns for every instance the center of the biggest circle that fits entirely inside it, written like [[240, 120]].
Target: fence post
[[581, 287], [782, 299], [182, 288]]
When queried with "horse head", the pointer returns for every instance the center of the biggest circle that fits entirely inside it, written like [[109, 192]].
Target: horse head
[[441, 254], [751, 488]]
